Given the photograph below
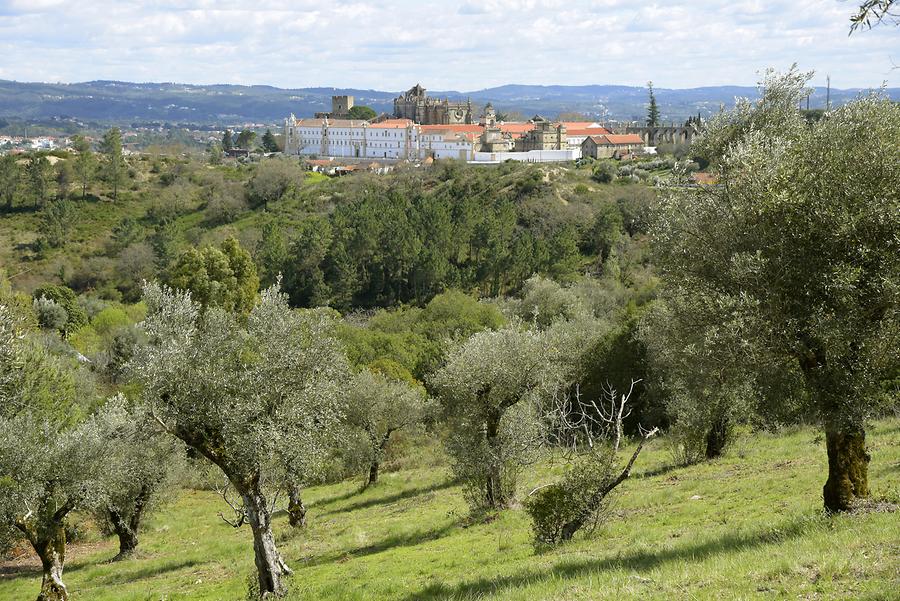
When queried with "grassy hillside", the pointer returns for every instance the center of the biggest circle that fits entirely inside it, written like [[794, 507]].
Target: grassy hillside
[[747, 526]]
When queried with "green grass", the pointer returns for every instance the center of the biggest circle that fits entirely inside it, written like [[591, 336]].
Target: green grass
[[756, 531]]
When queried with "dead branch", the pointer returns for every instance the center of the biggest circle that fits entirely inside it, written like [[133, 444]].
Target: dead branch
[[240, 514]]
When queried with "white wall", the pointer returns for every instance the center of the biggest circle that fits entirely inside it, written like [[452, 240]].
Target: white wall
[[532, 156]]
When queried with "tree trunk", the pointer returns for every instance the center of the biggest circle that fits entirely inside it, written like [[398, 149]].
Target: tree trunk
[[717, 437], [848, 468], [270, 567], [494, 493], [127, 530], [51, 548], [373, 473], [376, 460], [296, 509], [128, 539], [594, 502]]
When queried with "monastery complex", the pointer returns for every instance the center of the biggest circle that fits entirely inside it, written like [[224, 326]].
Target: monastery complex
[[422, 127]]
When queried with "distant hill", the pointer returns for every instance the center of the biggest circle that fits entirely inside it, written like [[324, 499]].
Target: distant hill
[[125, 102]]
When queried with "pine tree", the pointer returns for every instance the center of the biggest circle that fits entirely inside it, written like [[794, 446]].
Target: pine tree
[[227, 140], [268, 142], [9, 180], [653, 109], [246, 138], [39, 173], [85, 163], [114, 167]]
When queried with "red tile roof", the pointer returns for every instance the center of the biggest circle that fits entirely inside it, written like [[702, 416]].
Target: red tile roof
[[457, 127], [625, 138], [617, 139], [392, 124], [516, 128], [588, 131]]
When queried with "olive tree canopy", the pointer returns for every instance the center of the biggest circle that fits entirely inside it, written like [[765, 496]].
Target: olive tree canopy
[[380, 406], [258, 397], [50, 457], [798, 250]]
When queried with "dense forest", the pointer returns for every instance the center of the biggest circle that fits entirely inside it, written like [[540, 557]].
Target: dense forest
[[172, 323]]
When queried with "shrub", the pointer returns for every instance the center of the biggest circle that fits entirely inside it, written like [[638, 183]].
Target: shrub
[[604, 172], [65, 298], [544, 301], [50, 315], [272, 180], [556, 508]]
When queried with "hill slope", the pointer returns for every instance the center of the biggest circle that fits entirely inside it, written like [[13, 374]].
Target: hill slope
[[747, 526]]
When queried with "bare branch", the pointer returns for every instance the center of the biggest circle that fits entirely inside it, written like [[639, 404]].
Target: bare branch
[[240, 514]]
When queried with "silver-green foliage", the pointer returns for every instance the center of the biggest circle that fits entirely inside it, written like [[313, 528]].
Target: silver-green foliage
[[494, 389], [50, 459], [378, 407], [140, 463], [798, 252], [259, 397]]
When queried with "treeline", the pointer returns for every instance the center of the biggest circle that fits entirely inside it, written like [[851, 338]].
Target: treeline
[[405, 240], [363, 242]]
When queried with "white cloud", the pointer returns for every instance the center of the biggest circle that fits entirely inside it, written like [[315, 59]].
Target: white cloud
[[459, 44]]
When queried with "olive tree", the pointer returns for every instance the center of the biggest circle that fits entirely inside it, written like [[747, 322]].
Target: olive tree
[[709, 389], [379, 407], [491, 388], [797, 250], [49, 458], [255, 396], [140, 462]]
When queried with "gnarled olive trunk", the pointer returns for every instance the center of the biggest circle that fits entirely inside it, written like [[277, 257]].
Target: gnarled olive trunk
[[296, 509], [52, 551], [848, 468], [494, 494], [128, 539], [380, 446], [373, 473], [49, 542], [127, 529], [270, 567]]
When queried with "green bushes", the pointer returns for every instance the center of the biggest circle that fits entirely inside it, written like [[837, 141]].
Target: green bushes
[[604, 172], [556, 509], [64, 298]]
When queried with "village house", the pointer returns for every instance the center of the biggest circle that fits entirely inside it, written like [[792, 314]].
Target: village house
[[611, 146]]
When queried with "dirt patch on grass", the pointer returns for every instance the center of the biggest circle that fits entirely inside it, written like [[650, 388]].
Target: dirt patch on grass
[[23, 560], [874, 506]]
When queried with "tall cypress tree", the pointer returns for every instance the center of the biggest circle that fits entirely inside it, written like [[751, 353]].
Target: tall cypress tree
[[653, 109], [227, 140], [269, 143]]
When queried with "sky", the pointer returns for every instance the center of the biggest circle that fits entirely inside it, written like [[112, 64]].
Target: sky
[[462, 45]]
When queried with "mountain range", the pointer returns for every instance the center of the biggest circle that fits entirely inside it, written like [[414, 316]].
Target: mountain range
[[126, 102]]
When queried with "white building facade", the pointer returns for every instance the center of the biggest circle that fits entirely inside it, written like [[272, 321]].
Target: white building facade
[[395, 139]]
